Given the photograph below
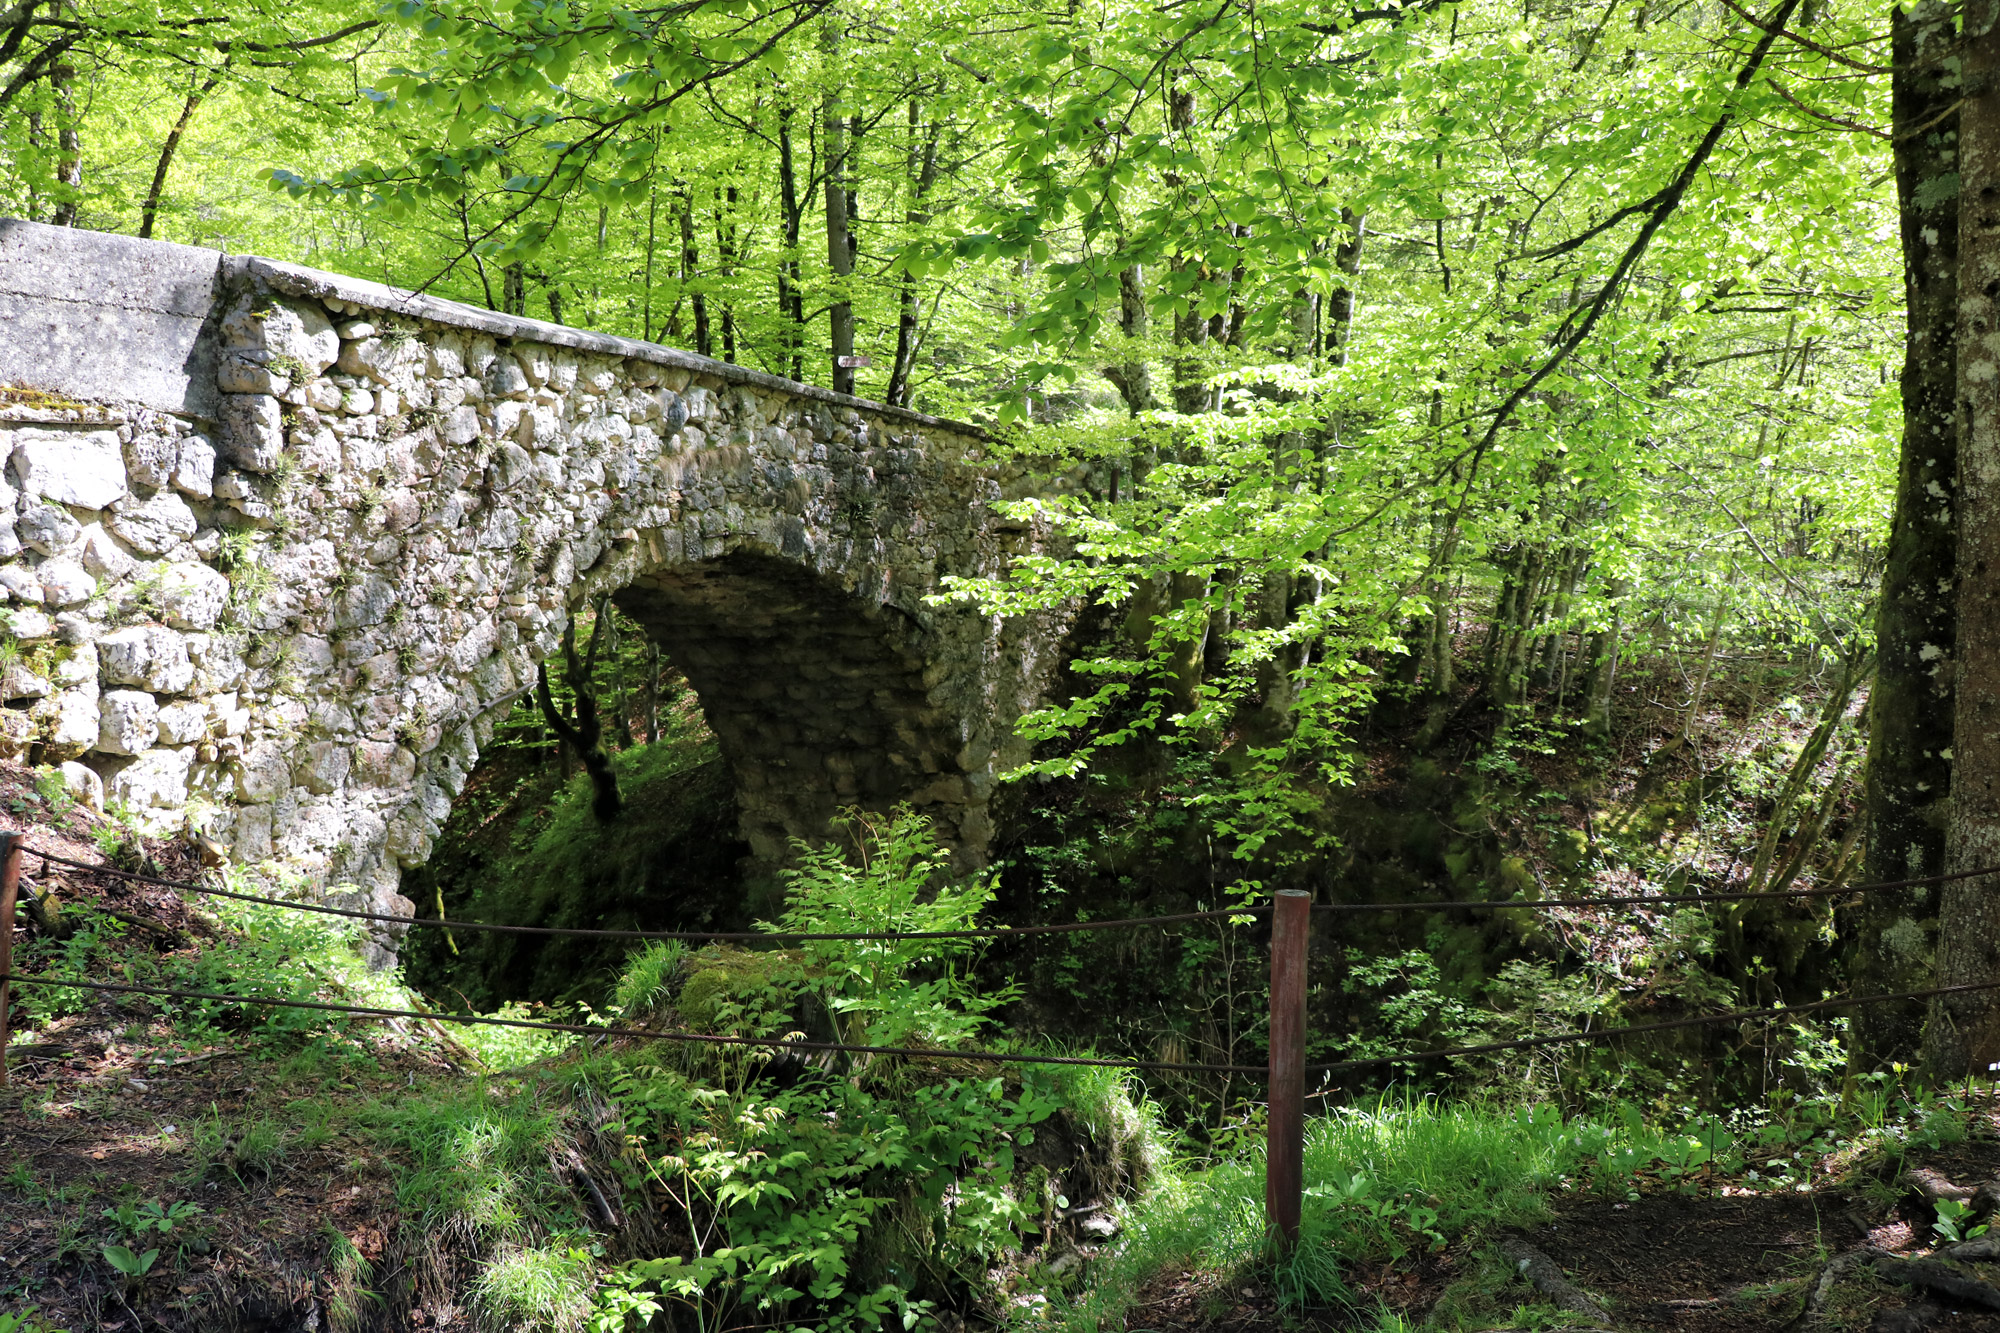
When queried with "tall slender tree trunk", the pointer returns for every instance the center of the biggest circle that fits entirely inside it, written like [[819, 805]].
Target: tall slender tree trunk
[[1603, 653], [921, 173], [1963, 1034], [691, 277], [791, 299], [69, 145], [1916, 628], [151, 209], [839, 251], [725, 253]]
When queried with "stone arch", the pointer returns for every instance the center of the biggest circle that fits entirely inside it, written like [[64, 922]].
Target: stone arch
[[424, 491]]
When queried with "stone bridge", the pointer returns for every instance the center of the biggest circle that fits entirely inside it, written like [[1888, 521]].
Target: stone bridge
[[278, 549]]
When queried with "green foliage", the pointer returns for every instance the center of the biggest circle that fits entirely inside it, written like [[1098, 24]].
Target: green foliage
[[545, 1289], [896, 879], [133, 1266], [24, 1321]]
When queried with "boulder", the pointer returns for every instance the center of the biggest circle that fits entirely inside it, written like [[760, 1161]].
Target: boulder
[[84, 784], [183, 723], [65, 582], [158, 781], [17, 733], [252, 434]]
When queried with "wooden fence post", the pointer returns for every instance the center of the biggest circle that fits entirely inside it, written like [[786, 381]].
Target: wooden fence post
[[10, 885], [1284, 1156]]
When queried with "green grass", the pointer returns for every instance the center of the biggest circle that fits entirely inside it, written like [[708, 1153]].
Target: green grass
[[1383, 1180]]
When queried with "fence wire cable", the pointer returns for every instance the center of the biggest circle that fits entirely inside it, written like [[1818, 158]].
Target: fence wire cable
[[1006, 1057], [1001, 932], [654, 1034]]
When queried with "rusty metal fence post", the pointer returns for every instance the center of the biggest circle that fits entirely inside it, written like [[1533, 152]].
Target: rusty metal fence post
[[1284, 1155], [10, 885]]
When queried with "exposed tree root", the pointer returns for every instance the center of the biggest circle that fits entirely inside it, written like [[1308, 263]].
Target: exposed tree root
[[1546, 1277]]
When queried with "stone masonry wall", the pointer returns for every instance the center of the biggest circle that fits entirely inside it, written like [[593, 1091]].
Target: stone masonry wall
[[282, 593]]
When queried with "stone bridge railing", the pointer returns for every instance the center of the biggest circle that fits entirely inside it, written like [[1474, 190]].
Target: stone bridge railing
[[279, 548]]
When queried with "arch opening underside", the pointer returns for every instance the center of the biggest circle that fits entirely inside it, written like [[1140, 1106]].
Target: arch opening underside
[[820, 698]]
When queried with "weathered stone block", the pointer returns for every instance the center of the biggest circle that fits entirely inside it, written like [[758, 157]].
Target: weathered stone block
[[65, 582], [18, 681], [81, 468], [325, 767], [192, 596], [249, 372], [69, 723], [155, 526], [372, 358], [263, 774], [128, 722], [17, 733], [183, 723], [157, 780], [48, 529], [194, 470], [251, 432], [282, 331], [27, 624], [151, 657]]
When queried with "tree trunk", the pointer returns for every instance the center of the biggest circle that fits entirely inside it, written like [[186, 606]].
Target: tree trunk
[[1604, 663], [69, 146], [151, 209], [1963, 1034], [791, 299], [725, 253], [1916, 628], [921, 172], [690, 273], [839, 252], [582, 737], [1340, 305]]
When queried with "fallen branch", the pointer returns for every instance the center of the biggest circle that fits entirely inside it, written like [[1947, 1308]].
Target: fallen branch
[[1546, 1277], [1931, 1276], [1836, 1268]]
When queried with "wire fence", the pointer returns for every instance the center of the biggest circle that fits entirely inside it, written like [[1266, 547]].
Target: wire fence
[[1768, 1013], [1286, 1073], [1009, 932]]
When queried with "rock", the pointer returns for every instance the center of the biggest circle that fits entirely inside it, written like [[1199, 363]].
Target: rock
[[183, 723], [252, 434], [357, 402], [48, 529], [262, 774], [103, 556], [462, 426], [155, 526], [18, 681], [505, 380], [17, 733], [84, 469], [150, 458], [151, 657], [10, 541], [249, 372], [22, 585], [70, 723], [27, 624], [158, 781], [65, 583], [79, 665], [194, 469], [384, 764], [371, 358], [325, 768], [282, 332], [192, 596], [84, 784], [128, 722]]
